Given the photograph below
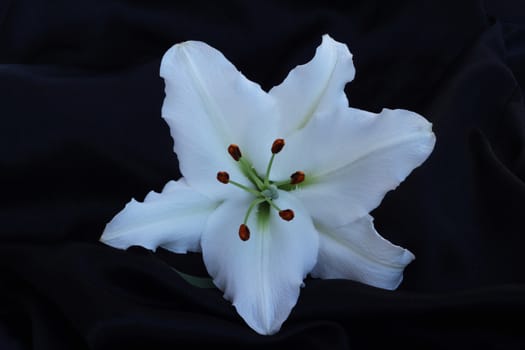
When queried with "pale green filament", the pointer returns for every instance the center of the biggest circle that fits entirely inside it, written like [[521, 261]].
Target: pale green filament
[[255, 202], [247, 189], [272, 204], [268, 169], [281, 183]]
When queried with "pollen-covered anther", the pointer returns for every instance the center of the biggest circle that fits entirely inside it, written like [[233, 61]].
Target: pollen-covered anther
[[277, 146], [223, 177], [286, 214], [297, 178], [244, 232], [235, 152]]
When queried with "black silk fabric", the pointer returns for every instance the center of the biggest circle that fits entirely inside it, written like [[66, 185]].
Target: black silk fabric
[[81, 134]]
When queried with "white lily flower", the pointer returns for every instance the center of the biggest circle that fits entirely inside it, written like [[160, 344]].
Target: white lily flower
[[276, 185]]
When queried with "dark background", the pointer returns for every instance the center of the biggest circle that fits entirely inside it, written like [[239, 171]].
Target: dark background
[[81, 134]]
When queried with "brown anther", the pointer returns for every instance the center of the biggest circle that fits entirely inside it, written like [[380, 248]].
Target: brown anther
[[277, 146], [235, 152], [244, 232], [297, 178], [287, 214], [223, 177]]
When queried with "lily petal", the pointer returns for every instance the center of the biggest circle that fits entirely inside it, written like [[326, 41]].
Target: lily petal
[[359, 157], [263, 275], [209, 105], [315, 88], [357, 252], [173, 219]]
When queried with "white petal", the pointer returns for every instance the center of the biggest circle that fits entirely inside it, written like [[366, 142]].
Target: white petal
[[357, 252], [209, 105], [315, 88], [262, 276], [353, 159], [173, 219]]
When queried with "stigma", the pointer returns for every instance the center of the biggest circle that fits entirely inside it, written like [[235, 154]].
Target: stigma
[[264, 190]]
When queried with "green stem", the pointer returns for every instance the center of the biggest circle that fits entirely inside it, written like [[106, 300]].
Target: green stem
[[201, 282]]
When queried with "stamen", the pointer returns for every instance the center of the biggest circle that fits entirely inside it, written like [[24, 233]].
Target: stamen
[[266, 190], [287, 214], [244, 232], [297, 178], [268, 169], [277, 146], [235, 152], [223, 177]]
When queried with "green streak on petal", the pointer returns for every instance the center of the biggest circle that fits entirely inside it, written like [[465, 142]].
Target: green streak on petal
[[263, 216], [249, 172]]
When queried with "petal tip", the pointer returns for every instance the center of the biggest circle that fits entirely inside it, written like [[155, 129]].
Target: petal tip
[[108, 240], [326, 37], [407, 257], [173, 54], [342, 48]]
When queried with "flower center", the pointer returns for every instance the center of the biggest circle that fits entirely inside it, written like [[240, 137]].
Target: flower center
[[266, 190]]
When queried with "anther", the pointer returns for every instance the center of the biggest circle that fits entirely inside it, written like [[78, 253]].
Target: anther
[[235, 152], [244, 232], [223, 177], [286, 214], [297, 178], [277, 146]]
